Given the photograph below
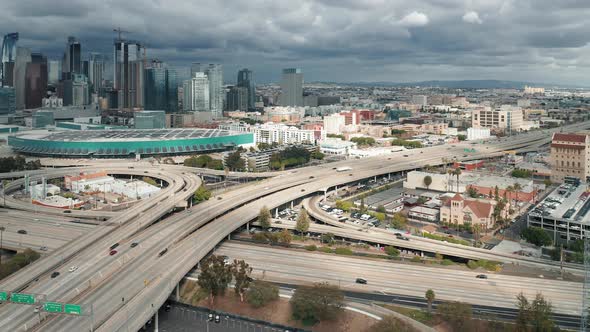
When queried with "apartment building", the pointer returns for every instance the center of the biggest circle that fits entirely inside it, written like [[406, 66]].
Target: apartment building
[[507, 119], [570, 156]]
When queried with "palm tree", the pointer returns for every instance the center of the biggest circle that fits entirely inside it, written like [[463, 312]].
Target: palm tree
[[457, 172], [517, 187], [430, 298], [510, 191], [450, 173]]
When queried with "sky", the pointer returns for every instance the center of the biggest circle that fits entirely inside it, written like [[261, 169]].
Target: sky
[[543, 41]]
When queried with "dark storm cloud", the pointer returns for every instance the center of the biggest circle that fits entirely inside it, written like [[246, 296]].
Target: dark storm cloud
[[339, 40]]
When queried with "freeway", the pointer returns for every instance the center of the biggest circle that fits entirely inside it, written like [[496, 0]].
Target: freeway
[[126, 299], [42, 230], [301, 267]]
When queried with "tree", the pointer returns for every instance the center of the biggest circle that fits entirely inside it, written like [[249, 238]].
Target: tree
[[472, 192], [391, 324], [381, 209], [521, 173], [547, 182], [457, 314], [399, 221], [215, 276], [496, 194], [343, 205], [427, 181], [362, 208], [202, 194], [534, 315], [429, 298], [457, 173], [536, 236], [391, 251], [327, 238], [302, 224], [261, 292], [517, 188], [461, 137], [285, 236], [319, 302], [264, 217], [241, 272], [234, 161]]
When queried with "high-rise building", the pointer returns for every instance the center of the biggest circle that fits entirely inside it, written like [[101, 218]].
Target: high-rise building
[[75, 91], [7, 101], [23, 57], [200, 93], [237, 99], [186, 95], [72, 61], [246, 80], [160, 88], [128, 73], [214, 73], [8, 59], [35, 81], [570, 156], [53, 71], [96, 66], [292, 87]]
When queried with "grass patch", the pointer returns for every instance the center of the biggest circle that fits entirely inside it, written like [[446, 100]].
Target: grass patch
[[343, 251], [416, 259], [446, 238], [327, 250], [311, 247], [485, 264], [446, 262], [415, 314]]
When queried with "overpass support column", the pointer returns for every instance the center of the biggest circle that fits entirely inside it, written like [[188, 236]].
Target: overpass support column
[[276, 212], [375, 178], [156, 322], [291, 204], [336, 190], [378, 246], [325, 194], [248, 227], [388, 176], [178, 292]]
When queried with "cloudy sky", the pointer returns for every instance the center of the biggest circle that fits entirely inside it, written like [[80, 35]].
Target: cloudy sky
[[331, 40]]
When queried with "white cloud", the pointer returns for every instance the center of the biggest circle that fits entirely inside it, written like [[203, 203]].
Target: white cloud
[[472, 17], [414, 19]]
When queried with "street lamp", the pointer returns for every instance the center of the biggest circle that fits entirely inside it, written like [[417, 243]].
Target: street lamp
[[2, 229]]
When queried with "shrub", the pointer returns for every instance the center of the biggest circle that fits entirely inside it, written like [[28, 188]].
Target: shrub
[[327, 250], [416, 259], [446, 262], [311, 247], [343, 251], [391, 251]]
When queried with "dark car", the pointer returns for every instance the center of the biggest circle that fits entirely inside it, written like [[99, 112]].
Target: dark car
[[114, 246], [68, 211], [54, 274], [361, 281], [113, 252], [481, 276], [21, 231], [398, 234], [134, 244], [163, 252]]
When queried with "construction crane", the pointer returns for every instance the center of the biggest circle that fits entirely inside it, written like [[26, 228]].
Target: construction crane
[[120, 32]]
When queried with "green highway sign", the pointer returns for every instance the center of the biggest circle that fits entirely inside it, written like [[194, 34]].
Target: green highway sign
[[73, 309], [53, 307], [3, 296], [22, 298]]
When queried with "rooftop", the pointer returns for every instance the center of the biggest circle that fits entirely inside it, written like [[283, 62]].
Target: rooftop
[[124, 135], [568, 202], [569, 137]]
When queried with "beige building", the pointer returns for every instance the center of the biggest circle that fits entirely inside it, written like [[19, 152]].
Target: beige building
[[505, 119], [570, 156], [459, 210]]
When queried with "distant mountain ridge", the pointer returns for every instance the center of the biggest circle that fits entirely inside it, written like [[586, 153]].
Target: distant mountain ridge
[[465, 84]]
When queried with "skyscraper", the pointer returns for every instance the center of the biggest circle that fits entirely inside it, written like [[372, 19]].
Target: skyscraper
[[186, 95], [35, 81], [246, 80], [200, 93], [96, 66], [171, 90], [160, 88], [214, 74], [53, 71], [8, 59], [292, 87], [75, 91], [7, 103], [23, 56], [72, 61], [128, 73], [237, 99]]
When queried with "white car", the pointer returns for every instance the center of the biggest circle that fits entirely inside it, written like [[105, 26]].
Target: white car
[[73, 268]]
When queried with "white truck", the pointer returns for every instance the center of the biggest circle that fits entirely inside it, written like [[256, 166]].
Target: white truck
[[343, 169]]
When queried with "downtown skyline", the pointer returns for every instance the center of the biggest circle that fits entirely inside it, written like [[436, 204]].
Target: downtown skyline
[[339, 41]]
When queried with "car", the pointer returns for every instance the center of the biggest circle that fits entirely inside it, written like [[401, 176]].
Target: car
[[406, 155], [362, 281], [403, 238], [134, 244], [167, 307], [21, 231], [54, 275], [43, 248], [481, 276], [72, 268], [398, 234], [113, 252], [163, 252], [67, 211], [114, 246]]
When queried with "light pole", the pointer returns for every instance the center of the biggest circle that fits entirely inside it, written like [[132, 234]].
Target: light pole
[[2, 229]]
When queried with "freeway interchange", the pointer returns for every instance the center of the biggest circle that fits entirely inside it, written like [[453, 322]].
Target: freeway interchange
[[126, 289]]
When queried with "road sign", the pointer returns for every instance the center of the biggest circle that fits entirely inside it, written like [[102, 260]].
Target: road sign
[[3, 296], [73, 309], [22, 298], [53, 307]]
